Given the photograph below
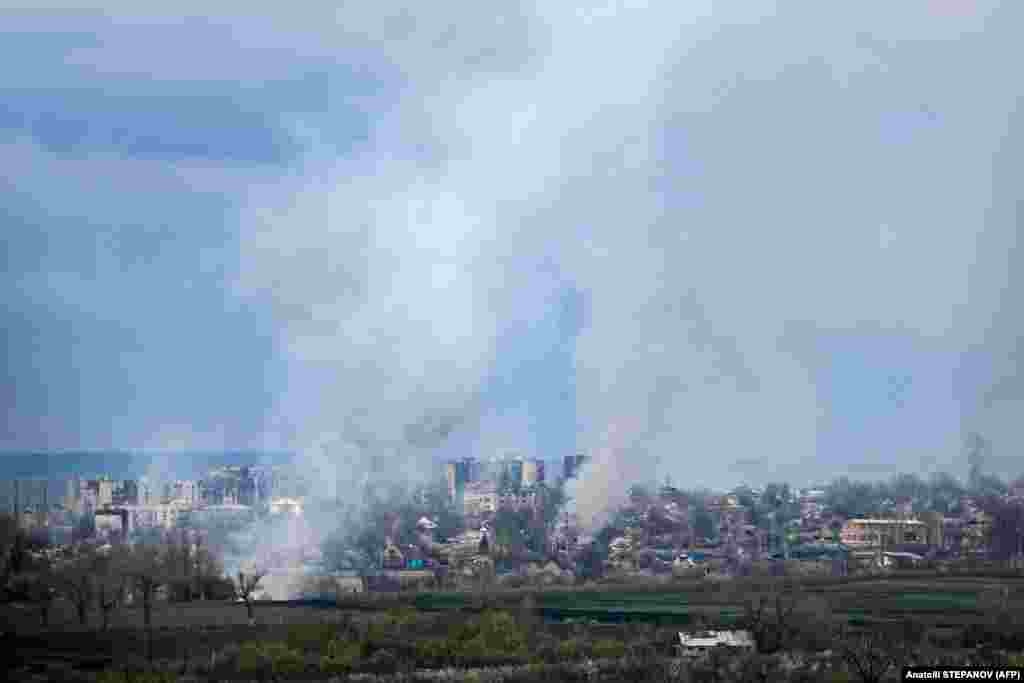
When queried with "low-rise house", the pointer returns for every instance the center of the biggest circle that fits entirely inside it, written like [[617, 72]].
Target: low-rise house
[[901, 560], [548, 572], [392, 556], [279, 506], [524, 499], [697, 645], [863, 533], [111, 522], [480, 497], [686, 566]]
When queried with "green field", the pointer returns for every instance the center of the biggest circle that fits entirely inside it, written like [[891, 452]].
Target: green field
[[851, 602]]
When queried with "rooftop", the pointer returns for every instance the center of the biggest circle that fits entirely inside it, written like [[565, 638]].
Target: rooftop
[[708, 639], [878, 522]]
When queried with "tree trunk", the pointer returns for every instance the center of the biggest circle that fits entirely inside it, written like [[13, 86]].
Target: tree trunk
[[248, 609], [147, 616], [106, 618], [44, 616], [83, 612]]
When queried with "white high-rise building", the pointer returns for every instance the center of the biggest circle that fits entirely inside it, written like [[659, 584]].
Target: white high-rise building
[[104, 492], [148, 494], [186, 491]]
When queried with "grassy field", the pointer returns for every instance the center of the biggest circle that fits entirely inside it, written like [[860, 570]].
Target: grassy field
[[959, 597]]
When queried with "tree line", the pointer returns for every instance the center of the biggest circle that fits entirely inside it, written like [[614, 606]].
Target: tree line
[[100, 578]]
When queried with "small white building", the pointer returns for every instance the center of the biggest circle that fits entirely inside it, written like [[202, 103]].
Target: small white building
[[104, 492], [110, 522], [285, 505], [701, 643]]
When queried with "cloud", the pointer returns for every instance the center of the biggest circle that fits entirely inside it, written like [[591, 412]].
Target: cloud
[[113, 291]]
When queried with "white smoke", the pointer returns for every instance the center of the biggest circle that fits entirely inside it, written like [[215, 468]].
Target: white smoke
[[602, 483], [712, 179], [714, 189]]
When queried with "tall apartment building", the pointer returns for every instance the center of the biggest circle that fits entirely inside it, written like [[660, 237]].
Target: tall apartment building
[[72, 495], [88, 495], [571, 465], [533, 472], [147, 493], [458, 473], [111, 522], [126, 492], [512, 470], [186, 491], [19, 495], [104, 492]]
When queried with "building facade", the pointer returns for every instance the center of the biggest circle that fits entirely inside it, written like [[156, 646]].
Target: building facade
[[186, 491], [480, 498], [111, 522], [571, 465], [883, 533]]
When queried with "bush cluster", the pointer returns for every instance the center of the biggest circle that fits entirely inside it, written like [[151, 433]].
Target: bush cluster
[[490, 639], [116, 676], [275, 658]]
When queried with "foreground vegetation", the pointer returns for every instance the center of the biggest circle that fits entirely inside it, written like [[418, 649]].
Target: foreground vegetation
[[795, 627]]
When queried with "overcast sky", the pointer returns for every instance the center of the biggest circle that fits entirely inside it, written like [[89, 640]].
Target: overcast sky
[[755, 240]]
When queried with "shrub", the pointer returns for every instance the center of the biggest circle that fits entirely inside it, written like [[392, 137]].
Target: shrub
[[312, 636], [381, 662], [274, 657], [491, 638], [340, 656], [608, 649], [435, 650], [250, 657], [116, 676], [401, 616], [570, 649]]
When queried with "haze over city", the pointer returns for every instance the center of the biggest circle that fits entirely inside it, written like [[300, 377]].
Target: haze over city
[[768, 242], [521, 341]]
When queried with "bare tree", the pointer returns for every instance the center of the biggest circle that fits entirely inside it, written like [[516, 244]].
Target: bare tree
[[177, 561], [110, 591], [13, 550], [187, 565], [37, 587], [246, 586], [769, 618], [76, 581], [111, 583], [145, 566], [870, 654], [209, 571], [8, 539]]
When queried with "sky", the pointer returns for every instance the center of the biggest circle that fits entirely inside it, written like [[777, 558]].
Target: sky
[[724, 242]]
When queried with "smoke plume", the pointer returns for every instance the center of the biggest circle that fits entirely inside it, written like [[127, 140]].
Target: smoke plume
[[730, 189], [728, 192]]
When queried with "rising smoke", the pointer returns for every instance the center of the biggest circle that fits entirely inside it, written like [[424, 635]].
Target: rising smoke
[[725, 186]]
